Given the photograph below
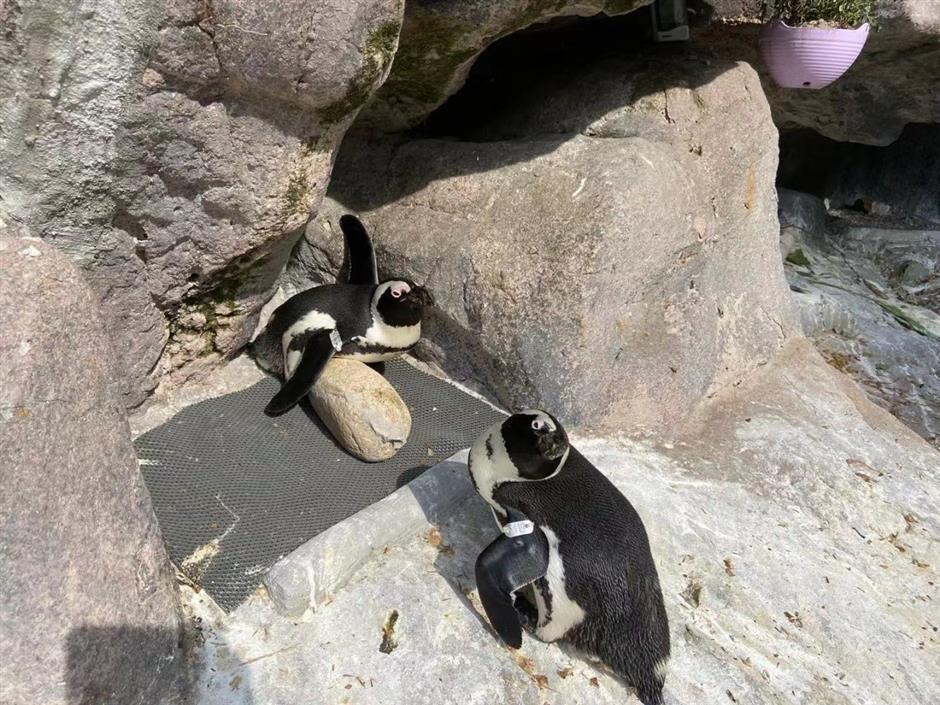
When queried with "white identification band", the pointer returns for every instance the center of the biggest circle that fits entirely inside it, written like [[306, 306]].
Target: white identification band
[[336, 340], [518, 528]]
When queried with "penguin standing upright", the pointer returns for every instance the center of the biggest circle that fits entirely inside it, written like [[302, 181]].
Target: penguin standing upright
[[573, 562], [360, 319]]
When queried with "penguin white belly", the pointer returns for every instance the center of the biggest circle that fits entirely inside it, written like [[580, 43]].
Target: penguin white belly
[[371, 356], [559, 613], [382, 342], [401, 337]]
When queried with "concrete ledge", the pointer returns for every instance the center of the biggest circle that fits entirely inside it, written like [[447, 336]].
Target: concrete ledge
[[305, 578]]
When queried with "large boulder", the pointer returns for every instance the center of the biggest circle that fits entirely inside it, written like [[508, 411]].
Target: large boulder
[[617, 263], [175, 150], [794, 527], [88, 604]]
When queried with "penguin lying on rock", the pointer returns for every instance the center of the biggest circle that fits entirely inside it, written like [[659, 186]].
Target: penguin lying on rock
[[573, 562], [360, 318]]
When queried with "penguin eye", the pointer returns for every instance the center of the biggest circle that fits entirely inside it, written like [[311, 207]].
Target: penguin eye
[[538, 425], [396, 293]]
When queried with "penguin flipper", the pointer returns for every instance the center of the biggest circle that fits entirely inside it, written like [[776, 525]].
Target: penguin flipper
[[359, 263], [318, 350], [507, 564]]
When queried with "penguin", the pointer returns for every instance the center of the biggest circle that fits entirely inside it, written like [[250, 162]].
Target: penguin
[[573, 561], [360, 318]]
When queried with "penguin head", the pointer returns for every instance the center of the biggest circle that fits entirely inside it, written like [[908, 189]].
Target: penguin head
[[400, 302], [536, 443]]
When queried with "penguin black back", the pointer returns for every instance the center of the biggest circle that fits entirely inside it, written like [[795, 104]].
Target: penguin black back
[[348, 304], [608, 568]]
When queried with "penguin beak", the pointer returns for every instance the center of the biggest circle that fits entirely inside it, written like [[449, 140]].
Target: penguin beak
[[553, 445], [421, 296]]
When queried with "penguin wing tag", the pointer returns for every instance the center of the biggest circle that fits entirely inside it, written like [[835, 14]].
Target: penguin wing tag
[[503, 567], [518, 528], [336, 340], [359, 260], [318, 349]]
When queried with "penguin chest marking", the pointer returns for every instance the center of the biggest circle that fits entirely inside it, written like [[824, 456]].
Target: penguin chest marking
[[557, 611], [397, 337], [383, 342], [312, 320], [371, 356], [490, 465]]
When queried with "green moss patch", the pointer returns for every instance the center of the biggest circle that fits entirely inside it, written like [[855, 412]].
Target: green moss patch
[[377, 54], [297, 191], [906, 320], [799, 258], [428, 57]]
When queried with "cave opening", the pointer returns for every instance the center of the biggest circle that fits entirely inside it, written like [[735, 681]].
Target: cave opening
[[897, 184], [502, 77]]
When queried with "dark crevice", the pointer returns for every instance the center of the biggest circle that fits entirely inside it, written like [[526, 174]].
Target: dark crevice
[[557, 50], [899, 183], [129, 224]]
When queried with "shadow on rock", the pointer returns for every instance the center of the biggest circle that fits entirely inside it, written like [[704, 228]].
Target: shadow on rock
[[104, 666], [533, 90], [460, 530]]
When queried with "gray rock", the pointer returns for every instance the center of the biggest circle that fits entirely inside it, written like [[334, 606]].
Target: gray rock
[[872, 323], [617, 274], [178, 165], [905, 260], [88, 604], [801, 210], [890, 86], [440, 42], [312, 574], [794, 529], [362, 410]]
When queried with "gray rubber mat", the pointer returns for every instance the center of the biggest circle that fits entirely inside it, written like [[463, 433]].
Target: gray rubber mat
[[235, 490]]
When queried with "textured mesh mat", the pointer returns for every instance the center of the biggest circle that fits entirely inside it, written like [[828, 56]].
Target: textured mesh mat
[[235, 490]]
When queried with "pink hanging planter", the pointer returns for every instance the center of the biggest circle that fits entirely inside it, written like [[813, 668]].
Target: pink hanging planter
[[809, 57]]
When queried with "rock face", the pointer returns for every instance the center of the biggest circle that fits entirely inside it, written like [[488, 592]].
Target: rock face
[[868, 297], [178, 164], [362, 410], [88, 609], [615, 264], [892, 84], [441, 40], [794, 526]]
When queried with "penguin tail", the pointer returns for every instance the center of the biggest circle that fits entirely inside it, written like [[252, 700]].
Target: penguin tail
[[359, 258], [650, 694]]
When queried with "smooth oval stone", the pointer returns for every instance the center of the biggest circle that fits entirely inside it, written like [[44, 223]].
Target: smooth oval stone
[[362, 410]]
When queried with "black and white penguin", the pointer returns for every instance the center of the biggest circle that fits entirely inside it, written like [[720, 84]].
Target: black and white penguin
[[359, 318], [573, 562]]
